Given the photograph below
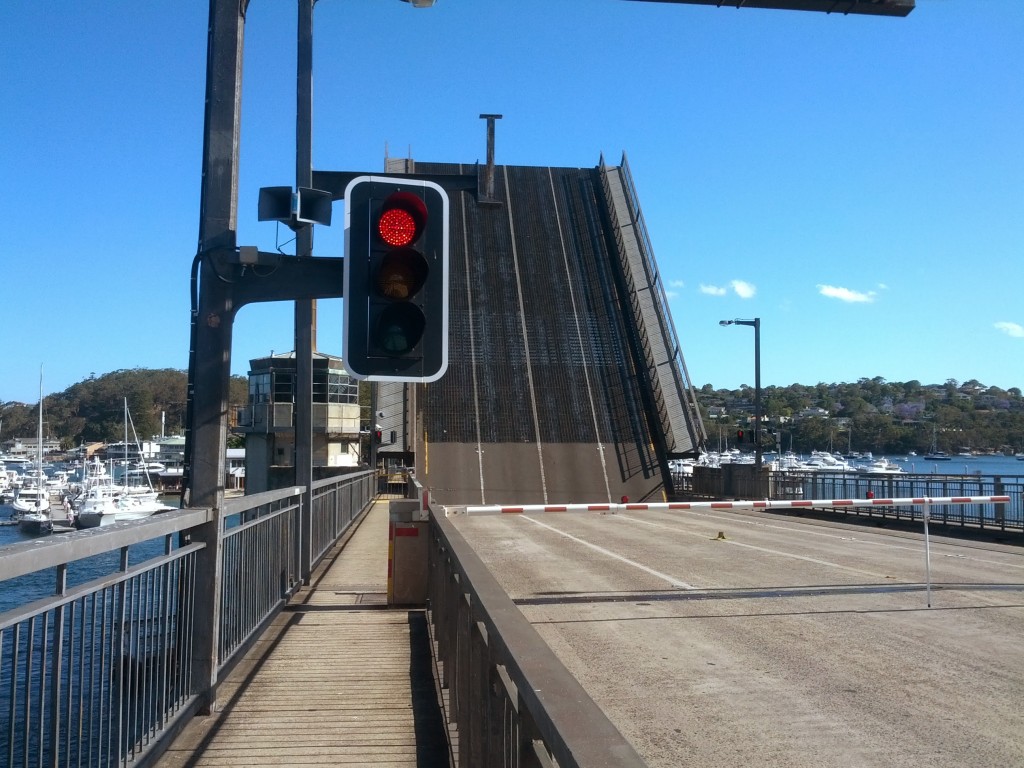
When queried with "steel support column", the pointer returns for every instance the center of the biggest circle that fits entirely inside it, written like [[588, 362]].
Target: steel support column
[[305, 309], [213, 314]]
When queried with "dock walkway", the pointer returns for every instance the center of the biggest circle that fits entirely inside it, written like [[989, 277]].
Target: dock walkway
[[339, 679]]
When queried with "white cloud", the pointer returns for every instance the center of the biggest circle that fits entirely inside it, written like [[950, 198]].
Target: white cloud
[[676, 283], [743, 289], [712, 290], [1011, 329], [846, 294]]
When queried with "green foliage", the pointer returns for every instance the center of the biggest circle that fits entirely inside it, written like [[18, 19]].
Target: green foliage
[[93, 410], [879, 416]]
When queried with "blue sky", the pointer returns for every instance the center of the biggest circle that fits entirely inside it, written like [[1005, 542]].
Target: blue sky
[[855, 182]]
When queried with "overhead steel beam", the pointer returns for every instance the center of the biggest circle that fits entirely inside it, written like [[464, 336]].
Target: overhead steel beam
[[865, 7]]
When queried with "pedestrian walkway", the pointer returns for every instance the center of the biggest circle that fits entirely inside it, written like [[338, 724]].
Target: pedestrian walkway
[[339, 679]]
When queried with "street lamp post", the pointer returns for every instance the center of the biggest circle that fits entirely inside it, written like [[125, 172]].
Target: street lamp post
[[756, 325]]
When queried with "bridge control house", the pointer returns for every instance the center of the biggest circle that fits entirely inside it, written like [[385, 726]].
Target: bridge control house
[[269, 427]]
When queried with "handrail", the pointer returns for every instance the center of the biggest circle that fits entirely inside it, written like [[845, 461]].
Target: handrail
[[137, 632], [22, 559], [498, 670]]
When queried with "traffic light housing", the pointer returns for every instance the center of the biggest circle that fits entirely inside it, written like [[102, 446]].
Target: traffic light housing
[[740, 437], [395, 279]]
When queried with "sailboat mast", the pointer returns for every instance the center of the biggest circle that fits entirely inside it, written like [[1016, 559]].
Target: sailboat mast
[[39, 442]]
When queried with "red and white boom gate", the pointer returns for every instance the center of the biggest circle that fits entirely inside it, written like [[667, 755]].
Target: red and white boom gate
[[922, 501]]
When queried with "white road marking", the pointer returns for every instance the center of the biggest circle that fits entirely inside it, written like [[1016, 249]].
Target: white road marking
[[766, 550], [608, 553], [869, 540]]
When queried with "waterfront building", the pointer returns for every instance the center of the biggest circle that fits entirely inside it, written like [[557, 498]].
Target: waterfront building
[[268, 420]]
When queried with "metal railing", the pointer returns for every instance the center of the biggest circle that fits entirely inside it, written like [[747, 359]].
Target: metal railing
[[109, 637], [740, 483], [513, 702], [840, 485]]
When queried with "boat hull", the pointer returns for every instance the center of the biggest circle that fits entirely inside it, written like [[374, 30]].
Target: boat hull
[[35, 524]]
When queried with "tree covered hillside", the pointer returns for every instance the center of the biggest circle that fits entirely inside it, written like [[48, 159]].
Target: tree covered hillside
[[875, 415], [93, 410]]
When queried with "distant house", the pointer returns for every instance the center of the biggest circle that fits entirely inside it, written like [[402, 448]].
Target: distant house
[[27, 446], [811, 413], [236, 468]]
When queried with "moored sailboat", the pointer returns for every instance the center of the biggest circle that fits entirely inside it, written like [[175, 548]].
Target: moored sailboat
[[32, 504]]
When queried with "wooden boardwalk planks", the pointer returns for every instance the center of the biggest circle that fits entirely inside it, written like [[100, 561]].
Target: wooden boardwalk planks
[[339, 679]]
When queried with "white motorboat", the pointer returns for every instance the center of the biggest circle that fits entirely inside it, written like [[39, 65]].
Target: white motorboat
[[106, 504], [881, 467], [822, 461], [31, 499], [136, 508], [97, 507], [818, 461], [57, 482]]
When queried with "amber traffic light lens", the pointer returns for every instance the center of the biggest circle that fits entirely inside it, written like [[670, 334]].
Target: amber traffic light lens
[[401, 274]]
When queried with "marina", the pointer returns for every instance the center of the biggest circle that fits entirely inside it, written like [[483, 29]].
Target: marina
[[983, 464], [35, 505]]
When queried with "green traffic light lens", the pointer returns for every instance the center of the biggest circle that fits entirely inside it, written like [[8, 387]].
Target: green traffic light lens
[[399, 329]]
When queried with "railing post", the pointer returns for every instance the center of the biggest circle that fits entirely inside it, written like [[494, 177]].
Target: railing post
[[477, 716], [998, 489], [206, 626], [494, 709], [462, 658]]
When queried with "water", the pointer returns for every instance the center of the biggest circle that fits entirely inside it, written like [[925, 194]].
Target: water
[[107, 684], [43, 583], [1003, 466]]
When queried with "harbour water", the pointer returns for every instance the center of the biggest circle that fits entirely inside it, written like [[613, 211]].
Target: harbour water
[[1002, 466], [101, 635], [41, 584]]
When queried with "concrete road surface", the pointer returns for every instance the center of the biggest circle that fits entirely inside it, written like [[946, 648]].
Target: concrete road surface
[[783, 643]]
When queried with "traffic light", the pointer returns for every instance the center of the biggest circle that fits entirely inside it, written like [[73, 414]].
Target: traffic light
[[396, 279], [739, 437]]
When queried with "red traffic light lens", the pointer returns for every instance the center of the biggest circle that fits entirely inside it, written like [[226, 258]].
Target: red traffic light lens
[[397, 227], [402, 218]]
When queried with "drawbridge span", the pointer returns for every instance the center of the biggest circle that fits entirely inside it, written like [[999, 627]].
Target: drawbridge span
[[566, 378]]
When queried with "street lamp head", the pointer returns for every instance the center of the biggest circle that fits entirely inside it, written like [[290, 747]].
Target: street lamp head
[[420, 3], [726, 322]]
